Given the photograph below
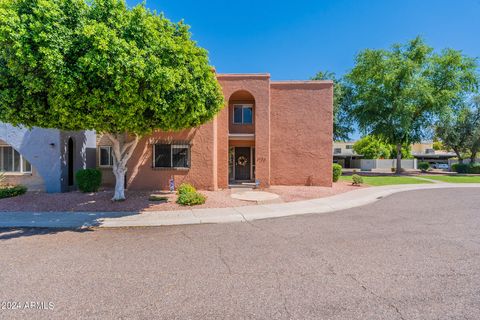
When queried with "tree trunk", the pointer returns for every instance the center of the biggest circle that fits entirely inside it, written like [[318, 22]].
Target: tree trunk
[[459, 155], [122, 151], [119, 173], [399, 159]]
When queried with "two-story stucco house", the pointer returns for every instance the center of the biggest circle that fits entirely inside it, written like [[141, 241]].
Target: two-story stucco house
[[272, 132]]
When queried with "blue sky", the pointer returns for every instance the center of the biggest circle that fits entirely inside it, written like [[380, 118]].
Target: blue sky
[[294, 39]]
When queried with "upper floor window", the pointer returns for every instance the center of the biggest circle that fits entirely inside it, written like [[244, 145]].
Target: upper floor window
[[12, 161], [349, 146], [171, 156], [106, 156], [242, 114], [337, 150]]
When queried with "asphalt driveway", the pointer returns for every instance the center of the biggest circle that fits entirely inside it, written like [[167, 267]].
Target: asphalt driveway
[[413, 255]]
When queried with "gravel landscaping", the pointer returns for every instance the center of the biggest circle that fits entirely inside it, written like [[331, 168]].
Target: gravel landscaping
[[138, 200]]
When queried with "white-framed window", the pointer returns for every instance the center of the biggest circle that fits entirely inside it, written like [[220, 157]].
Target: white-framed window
[[337, 150], [105, 156], [171, 155], [12, 161], [242, 114], [349, 146]]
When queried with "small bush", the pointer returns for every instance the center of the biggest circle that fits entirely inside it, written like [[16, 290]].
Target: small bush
[[474, 168], [460, 167], [186, 188], [191, 199], [336, 171], [12, 191], [357, 180], [88, 180], [424, 166], [393, 169]]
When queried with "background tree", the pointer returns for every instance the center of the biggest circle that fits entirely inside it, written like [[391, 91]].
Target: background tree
[[398, 93], [372, 148], [438, 145], [406, 151], [342, 93], [459, 130], [99, 65]]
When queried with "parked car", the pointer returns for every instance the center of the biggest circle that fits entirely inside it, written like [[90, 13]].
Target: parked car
[[440, 166]]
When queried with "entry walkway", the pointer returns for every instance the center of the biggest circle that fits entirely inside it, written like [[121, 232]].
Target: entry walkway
[[342, 201]]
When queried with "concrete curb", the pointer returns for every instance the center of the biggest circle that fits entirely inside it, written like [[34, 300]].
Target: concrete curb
[[341, 201]]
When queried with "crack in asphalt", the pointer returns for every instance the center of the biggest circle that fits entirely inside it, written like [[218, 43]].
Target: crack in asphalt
[[184, 234], [222, 258], [388, 303], [283, 296]]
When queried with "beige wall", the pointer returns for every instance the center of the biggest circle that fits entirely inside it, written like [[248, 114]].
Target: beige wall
[[33, 181]]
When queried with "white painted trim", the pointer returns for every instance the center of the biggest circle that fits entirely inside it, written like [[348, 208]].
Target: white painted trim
[[100, 156], [21, 172], [241, 136]]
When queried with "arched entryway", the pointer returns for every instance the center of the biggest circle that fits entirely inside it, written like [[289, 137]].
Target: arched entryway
[[241, 137]]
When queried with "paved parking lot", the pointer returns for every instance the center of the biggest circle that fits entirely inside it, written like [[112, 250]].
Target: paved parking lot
[[413, 255]]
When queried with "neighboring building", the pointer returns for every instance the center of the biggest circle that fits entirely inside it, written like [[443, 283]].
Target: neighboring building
[[273, 132], [44, 159], [344, 154], [424, 152]]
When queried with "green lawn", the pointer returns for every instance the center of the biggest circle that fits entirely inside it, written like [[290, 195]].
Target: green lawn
[[455, 179], [386, 180]]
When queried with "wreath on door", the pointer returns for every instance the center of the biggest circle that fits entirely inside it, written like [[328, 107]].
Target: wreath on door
[[242, 161]]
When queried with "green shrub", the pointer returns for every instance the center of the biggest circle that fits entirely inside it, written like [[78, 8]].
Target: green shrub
[[460, 167], [424, 166], [336, 171], [186, 188], [12, 191], [88, 180], [474, 168], [191, 199], [357, 180]]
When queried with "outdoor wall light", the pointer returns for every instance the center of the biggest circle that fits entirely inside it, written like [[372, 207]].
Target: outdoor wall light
[[52, 144]]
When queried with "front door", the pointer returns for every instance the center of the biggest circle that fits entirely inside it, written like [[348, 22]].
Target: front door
[[242, 163]]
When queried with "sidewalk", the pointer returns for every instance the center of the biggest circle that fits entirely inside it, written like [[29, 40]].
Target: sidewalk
[[342, 201]]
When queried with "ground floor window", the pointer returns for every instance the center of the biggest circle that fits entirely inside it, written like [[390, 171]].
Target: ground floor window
[[171, 155], [106, 156], [12, 161]]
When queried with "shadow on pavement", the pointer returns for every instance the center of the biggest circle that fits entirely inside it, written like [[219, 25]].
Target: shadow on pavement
[[13, 233]]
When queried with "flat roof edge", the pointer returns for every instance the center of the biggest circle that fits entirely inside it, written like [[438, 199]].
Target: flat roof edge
[[279, 82], [240, 75]]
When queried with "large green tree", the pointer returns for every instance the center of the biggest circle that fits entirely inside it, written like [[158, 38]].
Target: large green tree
[[398, 93], [100, 65], [342, 94], [459, 129]]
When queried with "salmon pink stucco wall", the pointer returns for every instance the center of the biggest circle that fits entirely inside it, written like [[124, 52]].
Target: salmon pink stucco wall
[[301, 133], [292, 129], [258, 85], [202, 171]]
